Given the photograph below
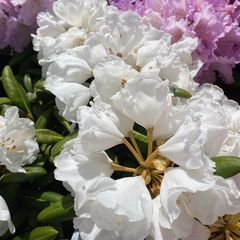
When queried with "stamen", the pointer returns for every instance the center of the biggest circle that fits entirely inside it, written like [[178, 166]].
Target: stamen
[[136, 155], [119, 55], [226, 228], [131, 136], [150, 140], [8, 143], [117, 167], [151, 157]]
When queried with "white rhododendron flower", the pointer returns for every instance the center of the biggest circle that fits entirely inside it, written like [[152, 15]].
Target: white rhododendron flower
[[18, 146], [5, 218], [141, 166], [82, 40], [176, 170]]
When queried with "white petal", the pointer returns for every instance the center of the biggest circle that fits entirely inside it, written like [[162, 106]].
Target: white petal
[[110, 75], [5, 218], [73, 167], [143, 99], [185, 148], [98, 131]]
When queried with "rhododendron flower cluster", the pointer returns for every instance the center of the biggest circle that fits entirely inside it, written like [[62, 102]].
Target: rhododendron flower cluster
[[18, 21], [144, 161], [214, 23]]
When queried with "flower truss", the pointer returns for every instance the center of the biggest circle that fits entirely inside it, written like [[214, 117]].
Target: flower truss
[[141, 166], [214, 23], [78, 40], [127, 191], [18, 21], [18, 147]]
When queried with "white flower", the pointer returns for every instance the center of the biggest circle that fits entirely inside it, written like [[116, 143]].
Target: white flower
[[147, 100], [170, 61], [188, 195], [185, 148], [126, 203], [68, 104], [85, 14], [101, 128], [111, 75], [73, 166], [5, 218], [18, 146]]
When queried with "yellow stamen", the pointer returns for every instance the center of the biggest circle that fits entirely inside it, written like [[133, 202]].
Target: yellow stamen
[[150, 140], [130, 134], [117, 167], [151, 157], [130, 147]]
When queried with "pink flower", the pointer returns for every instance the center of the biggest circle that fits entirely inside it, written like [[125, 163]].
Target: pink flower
[[18, 21]]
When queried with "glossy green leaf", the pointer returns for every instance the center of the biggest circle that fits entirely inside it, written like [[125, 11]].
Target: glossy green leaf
[[51, 196], [227, 166], [5, 100], [39, 200], [58, 211], [39, 233], [31, 174], [44, 119], [180, 92], [33, 201], [47, 136], [15, 91]]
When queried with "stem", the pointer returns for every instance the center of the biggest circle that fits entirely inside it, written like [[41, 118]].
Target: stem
[[133, 151], [117, 167], [150, 140], [135, 144]]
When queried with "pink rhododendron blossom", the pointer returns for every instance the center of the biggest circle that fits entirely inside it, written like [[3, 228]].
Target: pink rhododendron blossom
[[214, 22], [18, 21], [134, 5]]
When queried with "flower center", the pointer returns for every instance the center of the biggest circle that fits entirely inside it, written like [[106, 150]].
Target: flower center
[[152, 167], [7, 143], [226, 228]]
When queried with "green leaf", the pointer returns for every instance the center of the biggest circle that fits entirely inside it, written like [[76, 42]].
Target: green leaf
[[47, 136], [51, 196], [15, 91], [62, 120], [31, 174], [44, 119], [227, 166], [180, 92], [39, 233], [58, 211], [57, 148], [38, 200], [5, 100]]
